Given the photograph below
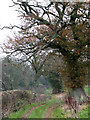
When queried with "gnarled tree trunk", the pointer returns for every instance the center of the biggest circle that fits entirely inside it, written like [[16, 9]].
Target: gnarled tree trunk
[[79, 94]]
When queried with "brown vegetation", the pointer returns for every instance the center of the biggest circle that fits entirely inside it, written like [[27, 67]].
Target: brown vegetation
[[15, 99]]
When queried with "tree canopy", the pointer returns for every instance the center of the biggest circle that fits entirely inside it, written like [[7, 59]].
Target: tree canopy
[[59, 27]]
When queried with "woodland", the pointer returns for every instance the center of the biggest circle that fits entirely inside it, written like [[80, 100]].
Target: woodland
[[49, 55]]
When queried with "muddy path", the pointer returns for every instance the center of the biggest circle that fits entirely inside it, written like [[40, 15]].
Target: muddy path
[[49, 112], [30, 110], [60, 96]]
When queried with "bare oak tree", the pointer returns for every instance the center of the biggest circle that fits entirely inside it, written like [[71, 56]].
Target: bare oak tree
[[59, 26]]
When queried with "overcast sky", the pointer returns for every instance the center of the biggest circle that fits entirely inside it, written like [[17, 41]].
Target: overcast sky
[[8, 16]]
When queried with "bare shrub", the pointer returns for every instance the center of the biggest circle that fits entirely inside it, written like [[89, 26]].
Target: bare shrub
[[13, 100], [17, 99]]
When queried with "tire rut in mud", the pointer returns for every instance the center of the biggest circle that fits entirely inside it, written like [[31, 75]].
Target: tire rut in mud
[[30, 110], [49, 112]]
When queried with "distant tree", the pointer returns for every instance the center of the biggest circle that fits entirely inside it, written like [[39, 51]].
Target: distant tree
[[56, 82], [11, 75], [51, 69], [6, 78]]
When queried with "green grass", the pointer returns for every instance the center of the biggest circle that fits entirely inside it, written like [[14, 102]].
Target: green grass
[[84, 113], [40, 111], [29, 91], [21, 112], [59, 113], [87, 90]]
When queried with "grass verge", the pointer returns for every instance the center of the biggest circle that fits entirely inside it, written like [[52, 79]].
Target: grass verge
[[58, 112], [85, 113], [87, 90], [21, 112], [41, 111], [25, 109]]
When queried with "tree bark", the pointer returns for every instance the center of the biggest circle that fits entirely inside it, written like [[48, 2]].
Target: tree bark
[[79, 94]]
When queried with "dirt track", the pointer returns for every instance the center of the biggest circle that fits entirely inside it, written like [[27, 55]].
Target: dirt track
[[60, 95], [50, 109], [30, 110]]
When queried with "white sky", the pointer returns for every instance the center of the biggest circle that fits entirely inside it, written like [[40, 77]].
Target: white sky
[[8, 16]]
